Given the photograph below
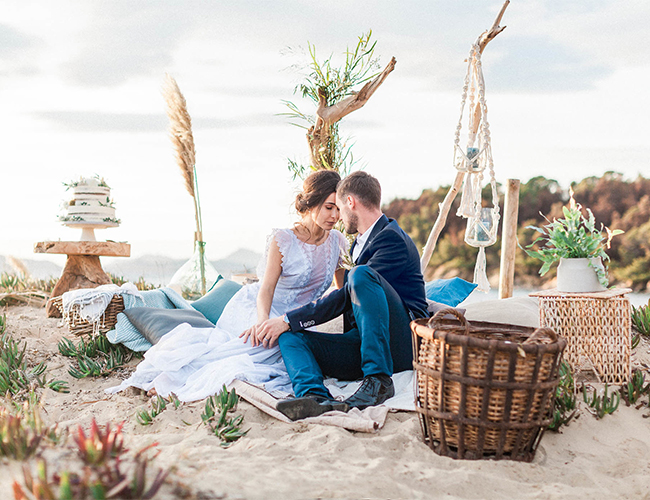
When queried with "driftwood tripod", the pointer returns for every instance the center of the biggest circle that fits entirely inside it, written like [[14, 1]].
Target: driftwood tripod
[[511, 197]]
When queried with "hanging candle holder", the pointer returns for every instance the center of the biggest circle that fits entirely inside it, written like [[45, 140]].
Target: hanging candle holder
[[482, 231], [482, 222]]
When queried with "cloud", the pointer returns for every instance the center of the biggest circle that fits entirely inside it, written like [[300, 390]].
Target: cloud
[[127, 39], [91, 121], [535, 64], [15, 50], [14, 42]]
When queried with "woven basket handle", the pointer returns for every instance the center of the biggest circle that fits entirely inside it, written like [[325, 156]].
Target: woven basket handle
[[549, 332], [443, 312]]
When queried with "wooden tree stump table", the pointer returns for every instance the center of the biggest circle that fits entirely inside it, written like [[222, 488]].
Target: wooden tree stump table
[[82, 269]]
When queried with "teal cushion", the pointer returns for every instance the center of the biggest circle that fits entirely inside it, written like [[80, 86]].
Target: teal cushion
[[153, 323], [213, 302], [450, 292]]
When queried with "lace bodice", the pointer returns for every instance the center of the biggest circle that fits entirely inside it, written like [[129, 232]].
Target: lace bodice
[[307, 270]]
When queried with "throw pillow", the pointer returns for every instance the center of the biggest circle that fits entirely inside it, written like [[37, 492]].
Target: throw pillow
[[211, 305], [153, 323], [449, 291]]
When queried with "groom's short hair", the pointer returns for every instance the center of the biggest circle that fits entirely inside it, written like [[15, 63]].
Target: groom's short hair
[[362, 186]]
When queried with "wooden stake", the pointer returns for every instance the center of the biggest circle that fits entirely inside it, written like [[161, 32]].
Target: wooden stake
[[445, 206], [509, 239]]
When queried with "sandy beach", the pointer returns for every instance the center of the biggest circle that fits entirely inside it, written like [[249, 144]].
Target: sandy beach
[[590, 458]]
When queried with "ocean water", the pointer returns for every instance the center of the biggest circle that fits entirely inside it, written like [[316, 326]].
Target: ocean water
[[636, 299]]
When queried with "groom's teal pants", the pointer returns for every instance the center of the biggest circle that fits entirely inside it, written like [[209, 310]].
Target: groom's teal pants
[[379, 344]]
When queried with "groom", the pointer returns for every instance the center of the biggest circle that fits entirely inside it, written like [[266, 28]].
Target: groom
[[379, 298]]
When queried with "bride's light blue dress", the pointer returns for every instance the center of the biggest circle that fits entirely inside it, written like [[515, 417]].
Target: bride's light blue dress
[[194, 363]]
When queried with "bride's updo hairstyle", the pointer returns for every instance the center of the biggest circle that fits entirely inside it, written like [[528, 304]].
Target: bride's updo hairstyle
[[316, 188]]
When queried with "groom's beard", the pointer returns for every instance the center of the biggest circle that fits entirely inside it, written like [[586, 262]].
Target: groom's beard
[[351, 223]]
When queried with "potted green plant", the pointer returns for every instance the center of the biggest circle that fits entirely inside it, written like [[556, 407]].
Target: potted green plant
[[578, 245]]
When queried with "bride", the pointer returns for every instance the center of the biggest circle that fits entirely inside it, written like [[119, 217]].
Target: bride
[[298, 266]]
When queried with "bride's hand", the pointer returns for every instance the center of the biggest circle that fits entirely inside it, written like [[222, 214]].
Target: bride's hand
[[250, 332]]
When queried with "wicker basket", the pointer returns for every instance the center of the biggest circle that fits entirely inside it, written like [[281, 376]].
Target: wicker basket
[[80, 326], [484, 390]]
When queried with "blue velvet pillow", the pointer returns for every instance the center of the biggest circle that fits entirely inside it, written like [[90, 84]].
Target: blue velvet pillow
[[153, 322], [449, 291], [213, 302]]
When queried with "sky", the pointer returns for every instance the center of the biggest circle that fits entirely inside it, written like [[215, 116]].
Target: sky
[[80, 94]]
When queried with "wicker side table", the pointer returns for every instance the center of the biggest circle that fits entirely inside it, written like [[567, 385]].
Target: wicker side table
[[597, 327]]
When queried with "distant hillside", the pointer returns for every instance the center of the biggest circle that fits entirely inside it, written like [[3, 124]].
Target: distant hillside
[[156, 269]]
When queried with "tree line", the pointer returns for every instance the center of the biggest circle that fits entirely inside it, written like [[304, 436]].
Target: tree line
[[615, 202]]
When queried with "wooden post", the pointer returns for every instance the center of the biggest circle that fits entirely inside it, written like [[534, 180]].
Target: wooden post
[[509, 239]]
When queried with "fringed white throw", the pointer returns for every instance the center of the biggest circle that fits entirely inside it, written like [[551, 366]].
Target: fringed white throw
[[92, 302]]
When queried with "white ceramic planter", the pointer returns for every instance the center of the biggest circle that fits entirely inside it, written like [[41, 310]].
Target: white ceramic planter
[[575, 275]]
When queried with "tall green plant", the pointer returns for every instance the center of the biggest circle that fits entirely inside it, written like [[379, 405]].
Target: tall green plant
[[326, 84]]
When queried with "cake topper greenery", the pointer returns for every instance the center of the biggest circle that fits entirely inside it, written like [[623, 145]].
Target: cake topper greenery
[[572, 237], [180, 132], [73, 184]]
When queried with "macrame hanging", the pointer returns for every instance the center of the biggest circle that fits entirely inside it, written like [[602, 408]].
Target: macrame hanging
[[482, 222]]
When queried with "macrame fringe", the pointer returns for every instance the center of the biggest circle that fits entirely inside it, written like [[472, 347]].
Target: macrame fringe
[[480, 274], [467, 198]]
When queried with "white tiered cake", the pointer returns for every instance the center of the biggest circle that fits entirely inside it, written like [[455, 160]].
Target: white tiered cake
[[90, 207]]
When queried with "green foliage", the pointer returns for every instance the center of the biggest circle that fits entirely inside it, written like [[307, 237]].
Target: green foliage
[[332, 84], [158, 405], [573, 236], [19, 283], [140, 283], [22, 430], [102, 456], [635, 388], [15, 375], [98, 447], [601, 405], [564, 406], [215, 416], [95, 357], [105, 479], [641, 319]]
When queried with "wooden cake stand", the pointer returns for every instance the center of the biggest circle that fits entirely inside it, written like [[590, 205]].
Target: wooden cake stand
[[82, 269]]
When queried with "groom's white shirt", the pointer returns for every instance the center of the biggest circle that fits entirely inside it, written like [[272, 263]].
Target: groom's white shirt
[[361, 241]]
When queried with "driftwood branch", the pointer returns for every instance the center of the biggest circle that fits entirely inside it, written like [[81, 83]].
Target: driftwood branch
[[318, 135], [489, 35], [475, 119], [332, 114]]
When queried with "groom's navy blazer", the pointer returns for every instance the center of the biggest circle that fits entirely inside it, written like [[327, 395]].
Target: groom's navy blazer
[[390, 252]]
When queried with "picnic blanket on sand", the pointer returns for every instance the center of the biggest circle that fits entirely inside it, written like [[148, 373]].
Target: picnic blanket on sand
[[369, 420]]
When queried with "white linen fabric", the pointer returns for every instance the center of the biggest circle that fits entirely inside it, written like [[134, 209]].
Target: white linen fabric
[[194, 363], [92, 302]]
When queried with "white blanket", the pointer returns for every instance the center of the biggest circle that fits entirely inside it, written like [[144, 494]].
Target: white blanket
[[92, 302]]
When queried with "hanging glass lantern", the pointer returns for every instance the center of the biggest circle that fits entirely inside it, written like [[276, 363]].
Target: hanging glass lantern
[[482, 231]]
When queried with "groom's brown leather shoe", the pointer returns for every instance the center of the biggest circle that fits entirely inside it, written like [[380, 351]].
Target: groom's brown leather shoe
[[310, 405]]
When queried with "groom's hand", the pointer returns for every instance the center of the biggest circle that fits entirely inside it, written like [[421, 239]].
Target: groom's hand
[[268, 332]]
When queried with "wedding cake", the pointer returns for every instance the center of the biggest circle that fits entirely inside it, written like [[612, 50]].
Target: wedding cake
[[90, 203]]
